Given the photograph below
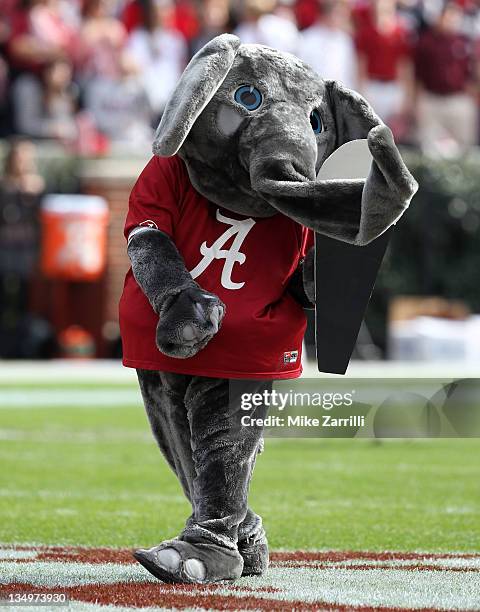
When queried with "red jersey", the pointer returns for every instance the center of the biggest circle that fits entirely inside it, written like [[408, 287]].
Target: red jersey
[[247, 262], [383, 50], [444, 62]]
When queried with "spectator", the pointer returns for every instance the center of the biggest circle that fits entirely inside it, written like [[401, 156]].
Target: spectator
[[185, 18], [215, 21], [103, 39], [159, 52], [261, 25], [306, 13], [8, 10], [385, 75], [412, 14], [132, 15], [447, 110], [3, 96], [45, 107], [3, 80], [120, 108], [327, 45], [20, 192], [39, 35]]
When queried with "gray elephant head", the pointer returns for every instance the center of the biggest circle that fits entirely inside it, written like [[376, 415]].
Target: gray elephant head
[[255, 125]]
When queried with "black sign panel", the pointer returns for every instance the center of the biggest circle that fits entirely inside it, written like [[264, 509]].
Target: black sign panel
[[344, 279]]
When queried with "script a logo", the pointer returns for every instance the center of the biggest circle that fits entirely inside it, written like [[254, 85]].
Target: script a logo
[[239, 229]]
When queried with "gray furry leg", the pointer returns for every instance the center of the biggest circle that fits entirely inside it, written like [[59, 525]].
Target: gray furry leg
[[253, 545], [164, 398], [224, 454], [163, 395]]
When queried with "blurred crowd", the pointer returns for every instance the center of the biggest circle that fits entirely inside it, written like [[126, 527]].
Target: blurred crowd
[[93, 76], [96, 74]]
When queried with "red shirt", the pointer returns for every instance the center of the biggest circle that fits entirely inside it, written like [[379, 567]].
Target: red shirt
[[443, 62], [132, 15], [262, 331], [383, 51], [47, 27]]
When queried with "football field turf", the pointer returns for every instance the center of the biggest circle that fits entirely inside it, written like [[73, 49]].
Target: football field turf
[[79, 468]]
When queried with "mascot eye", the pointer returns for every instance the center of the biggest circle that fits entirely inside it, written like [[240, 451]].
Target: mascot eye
[[316, 122], [249, 97]]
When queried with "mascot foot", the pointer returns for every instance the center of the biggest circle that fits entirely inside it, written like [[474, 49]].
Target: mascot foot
[[254, 551], [176, 561]]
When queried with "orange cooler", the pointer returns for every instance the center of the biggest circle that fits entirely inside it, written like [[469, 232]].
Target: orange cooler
[[74, 237]]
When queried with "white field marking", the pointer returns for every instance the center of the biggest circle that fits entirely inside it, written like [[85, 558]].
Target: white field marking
[[64, 511], [61, 573], [460, 510], [399, 369], [66, 495], [430, 469], [77, 397], [458, 562], [79, 606], [108, 371], [400, 588], [64, 371], [50, 494], [323, 506], [437, 590], [85, 437], [12, 554]]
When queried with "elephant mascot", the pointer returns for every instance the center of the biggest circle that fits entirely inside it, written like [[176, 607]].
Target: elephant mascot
[[219, 235]]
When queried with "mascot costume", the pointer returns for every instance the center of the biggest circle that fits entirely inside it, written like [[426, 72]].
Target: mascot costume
[[220, 241]]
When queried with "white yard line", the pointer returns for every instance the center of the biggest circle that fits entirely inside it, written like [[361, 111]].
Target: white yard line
[[105, 436], [87, 398], [60, 371], [436, 590]]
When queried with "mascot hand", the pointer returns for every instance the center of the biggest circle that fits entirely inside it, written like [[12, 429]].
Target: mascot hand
[[188, 321]]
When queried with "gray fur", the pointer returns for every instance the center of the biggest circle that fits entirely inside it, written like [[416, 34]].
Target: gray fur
[[184, 411], [158, 267], [269, 163], [256, 163], [354, 210], [198, 84], [189, 316], [217, 562]]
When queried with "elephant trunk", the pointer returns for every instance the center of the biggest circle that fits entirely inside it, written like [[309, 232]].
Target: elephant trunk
[[353, 210], [332, 208], [281, 145]]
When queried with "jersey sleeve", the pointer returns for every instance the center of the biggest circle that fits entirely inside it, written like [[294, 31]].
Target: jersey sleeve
[[155, 200]]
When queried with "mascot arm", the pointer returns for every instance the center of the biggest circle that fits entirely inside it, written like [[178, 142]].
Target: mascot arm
[[189, 316]]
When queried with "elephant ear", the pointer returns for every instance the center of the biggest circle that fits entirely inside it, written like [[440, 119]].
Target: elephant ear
[[353, 115], [389, 186], [196, 87]]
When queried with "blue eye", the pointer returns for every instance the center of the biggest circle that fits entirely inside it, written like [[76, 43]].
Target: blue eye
[[316, 122], [249, 97]]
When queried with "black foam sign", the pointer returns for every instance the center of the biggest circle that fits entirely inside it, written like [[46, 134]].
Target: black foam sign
[[344, 280]]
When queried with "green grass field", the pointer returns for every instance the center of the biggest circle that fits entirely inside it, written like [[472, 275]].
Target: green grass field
[[92, 475]]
